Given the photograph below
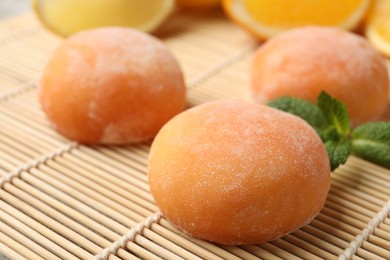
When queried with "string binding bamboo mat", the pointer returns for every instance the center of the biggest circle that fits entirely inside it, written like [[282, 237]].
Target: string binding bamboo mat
[[63, 200]]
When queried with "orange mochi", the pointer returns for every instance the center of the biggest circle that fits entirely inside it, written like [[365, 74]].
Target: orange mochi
[[111, 85], [303, 62], [238, 173]]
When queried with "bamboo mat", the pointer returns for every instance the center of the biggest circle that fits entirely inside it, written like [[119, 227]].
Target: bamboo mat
[[63, 200]]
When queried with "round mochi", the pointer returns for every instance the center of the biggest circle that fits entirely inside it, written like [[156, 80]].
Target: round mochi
[[111, 85], [305, 61], [238, 173]]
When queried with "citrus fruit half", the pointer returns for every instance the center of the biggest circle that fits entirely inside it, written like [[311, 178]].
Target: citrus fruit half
[[378, 26], [266, 18], [66, 17]]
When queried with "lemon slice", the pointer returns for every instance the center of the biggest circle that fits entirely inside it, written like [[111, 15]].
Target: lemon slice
[[378, 26], [266, 18], [66, 17]]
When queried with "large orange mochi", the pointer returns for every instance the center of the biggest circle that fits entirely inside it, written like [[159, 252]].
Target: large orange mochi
[[303, 62], [111, 85], [238, 173]]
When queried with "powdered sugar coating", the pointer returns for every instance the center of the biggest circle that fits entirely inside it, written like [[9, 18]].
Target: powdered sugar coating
[[303, 62], [235, 172], [112, 85]]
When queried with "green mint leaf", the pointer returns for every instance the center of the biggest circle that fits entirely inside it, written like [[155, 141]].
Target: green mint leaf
[[303, 109], [331, 134], [338, 152], [329, 118], [371, 141], [335, 112], [376, 131]]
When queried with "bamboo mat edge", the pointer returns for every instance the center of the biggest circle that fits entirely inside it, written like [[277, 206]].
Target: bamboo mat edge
[[355, 245]]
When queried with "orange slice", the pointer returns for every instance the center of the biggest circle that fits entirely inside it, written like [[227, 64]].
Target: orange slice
[[378, 26], [266, 18]]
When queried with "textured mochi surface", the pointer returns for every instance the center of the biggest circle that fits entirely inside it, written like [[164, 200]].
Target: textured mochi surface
[[238, 173], [111, 85], [303, 62]]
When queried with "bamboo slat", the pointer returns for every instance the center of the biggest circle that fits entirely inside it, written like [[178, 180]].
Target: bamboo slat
[[63, 200]]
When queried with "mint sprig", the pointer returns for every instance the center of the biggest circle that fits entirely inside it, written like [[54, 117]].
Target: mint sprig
[[371, 141], [306, 110], [338, 152], [335, 112], [329, 117]]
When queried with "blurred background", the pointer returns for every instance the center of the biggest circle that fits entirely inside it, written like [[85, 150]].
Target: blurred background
[[12, 7]]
